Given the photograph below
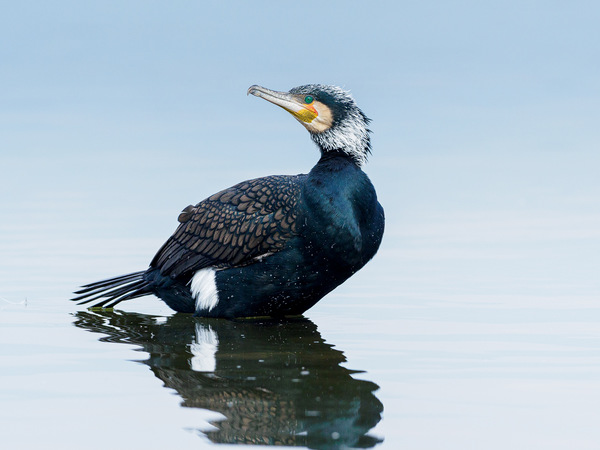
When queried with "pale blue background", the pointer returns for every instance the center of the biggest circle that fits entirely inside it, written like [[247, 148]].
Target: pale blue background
[[480, 316]]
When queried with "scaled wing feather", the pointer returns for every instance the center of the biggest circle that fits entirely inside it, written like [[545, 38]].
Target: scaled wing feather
[[232, 227]]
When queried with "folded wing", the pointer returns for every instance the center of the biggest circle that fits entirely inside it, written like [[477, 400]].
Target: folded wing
[[233, 227]]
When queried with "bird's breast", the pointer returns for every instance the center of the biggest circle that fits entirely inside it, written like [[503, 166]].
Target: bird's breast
[[339, 216]]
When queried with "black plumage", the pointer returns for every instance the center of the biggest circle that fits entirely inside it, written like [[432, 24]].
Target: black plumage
[[275, 245]]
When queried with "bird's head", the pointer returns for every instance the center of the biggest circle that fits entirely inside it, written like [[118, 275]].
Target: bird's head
[[329, 114]]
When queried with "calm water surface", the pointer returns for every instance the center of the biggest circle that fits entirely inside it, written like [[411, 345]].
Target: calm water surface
[[275, 383]]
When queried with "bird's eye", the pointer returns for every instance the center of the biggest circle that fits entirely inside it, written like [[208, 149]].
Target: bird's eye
[[308, 99]]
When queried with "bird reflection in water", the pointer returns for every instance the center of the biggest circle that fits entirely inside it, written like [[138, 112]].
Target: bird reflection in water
[[276, 382]]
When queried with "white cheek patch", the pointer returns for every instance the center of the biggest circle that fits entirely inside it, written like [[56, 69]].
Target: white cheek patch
[[204, 349], [322, 122], [204, 289]]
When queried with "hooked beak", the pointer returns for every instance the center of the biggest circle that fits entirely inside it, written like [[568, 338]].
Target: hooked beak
[[291, 103]]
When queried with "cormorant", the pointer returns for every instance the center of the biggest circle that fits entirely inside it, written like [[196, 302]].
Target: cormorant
[[271, 246]]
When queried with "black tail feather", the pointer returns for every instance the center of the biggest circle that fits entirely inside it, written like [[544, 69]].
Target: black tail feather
[[109, 282], [113, 291]]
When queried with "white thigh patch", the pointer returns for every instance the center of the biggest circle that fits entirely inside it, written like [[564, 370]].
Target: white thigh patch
[[204, 289]]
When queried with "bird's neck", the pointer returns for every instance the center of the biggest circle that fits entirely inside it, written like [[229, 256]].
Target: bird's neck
[[350, 137], [337, 164], [328, 155]]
